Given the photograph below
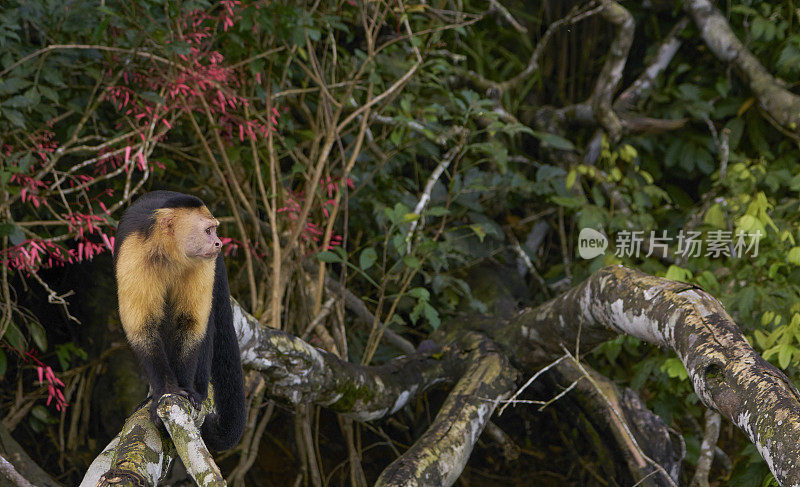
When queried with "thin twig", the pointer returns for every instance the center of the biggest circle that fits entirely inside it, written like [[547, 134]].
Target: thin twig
[[426, 193], [541, 371], [495, 6]]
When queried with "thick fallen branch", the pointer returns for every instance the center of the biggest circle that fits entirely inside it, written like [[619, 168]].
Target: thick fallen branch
[[780, 103], [8, 471], [300, 373], [727, 374], [439, 456]]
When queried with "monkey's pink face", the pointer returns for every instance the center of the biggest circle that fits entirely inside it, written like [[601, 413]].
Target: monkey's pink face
[[201, 240]]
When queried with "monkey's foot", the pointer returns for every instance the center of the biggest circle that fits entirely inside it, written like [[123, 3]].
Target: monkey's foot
[[192, 396], [154, 417], [196, 399]]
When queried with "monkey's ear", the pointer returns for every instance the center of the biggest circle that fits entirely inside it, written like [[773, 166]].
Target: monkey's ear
[[165, 219]]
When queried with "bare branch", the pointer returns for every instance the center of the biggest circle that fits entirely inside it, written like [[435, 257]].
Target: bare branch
[[426, 193], [645, 83], [573, 17], [781, 104], [611, 74], [496, 7], [707, 449]]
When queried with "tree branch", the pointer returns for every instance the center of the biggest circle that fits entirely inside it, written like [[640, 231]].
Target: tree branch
[[727, 374], [782, 105], [611, 74], [439, 456]]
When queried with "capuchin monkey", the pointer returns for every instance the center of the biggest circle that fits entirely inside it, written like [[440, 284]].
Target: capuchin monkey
[[175, 307]]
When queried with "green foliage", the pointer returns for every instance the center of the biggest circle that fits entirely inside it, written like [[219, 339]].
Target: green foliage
[[67, 353]]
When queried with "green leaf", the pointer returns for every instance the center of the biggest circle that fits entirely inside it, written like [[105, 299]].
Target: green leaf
[[106, 10], [180, 48], [12, 85], [554, 141], [572, 176], [747, 223], [25, 162], [676, 273], [329, 257], [257, 66], [761, 339], [437, 211], [53, 76], [40, 412], [152, 96], [14, 117], [13, 232], [675, 369], [18, 101], [3, 363], [420, 293], [479, 231], [411, 261], [15, 338], [431, 315], [794, 256], [33, 96], [38, 334], [567, 201], [410, 217], [396, 136], [715, 216], [785, 353], [367, 258]]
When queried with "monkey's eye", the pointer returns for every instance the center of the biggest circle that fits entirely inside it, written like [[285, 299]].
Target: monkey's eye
[[208, 230]]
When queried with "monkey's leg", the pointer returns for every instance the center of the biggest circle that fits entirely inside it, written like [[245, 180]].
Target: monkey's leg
[[153, 357], [203, 374], [183, 353], [186, 373]]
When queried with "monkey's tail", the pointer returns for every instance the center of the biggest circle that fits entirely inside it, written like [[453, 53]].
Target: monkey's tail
[[223, 429]]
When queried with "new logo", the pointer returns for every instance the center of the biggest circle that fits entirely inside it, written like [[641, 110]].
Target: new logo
[[591, 243]]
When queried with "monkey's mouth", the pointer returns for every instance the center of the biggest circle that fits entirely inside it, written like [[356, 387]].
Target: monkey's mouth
[[212, 254]]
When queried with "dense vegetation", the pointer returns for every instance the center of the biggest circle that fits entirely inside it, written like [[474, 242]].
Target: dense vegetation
[[316, 132]]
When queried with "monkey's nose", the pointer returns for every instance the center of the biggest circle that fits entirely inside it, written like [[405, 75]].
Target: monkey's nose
[[217, 244]]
